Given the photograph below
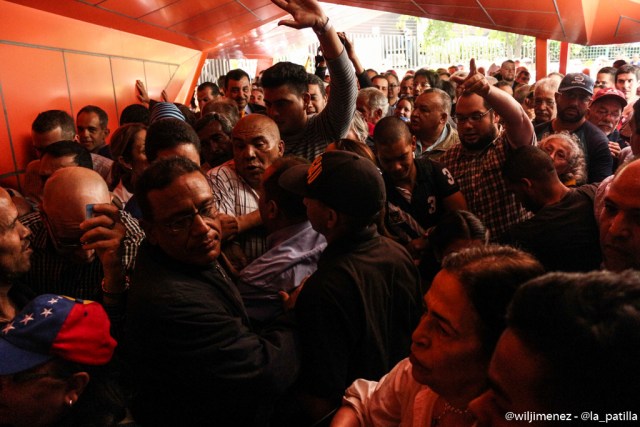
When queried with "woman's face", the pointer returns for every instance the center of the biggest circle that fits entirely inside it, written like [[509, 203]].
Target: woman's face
[[139, 160], [403, 109], [447, 353], [559, 150], [32, 398]]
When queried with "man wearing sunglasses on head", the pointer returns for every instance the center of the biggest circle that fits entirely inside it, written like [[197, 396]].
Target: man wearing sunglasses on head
[[83, 246], [476, 163]]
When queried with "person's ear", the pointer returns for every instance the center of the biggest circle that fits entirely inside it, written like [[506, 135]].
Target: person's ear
[[332, 218], [75, 386], [106, 132], [281, 148]]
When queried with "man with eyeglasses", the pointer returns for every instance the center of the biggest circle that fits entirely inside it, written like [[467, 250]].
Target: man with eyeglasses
[[572, 101], [476, 163], [194, 356], [83, 246], [544, 102]]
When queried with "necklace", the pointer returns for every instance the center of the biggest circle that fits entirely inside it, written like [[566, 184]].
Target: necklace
[[449, 409]]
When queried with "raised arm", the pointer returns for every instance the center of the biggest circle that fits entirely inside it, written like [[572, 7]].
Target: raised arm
[[309, 14], [517, 125]]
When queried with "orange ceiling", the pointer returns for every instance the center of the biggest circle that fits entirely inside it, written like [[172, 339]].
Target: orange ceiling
[[248, 28]]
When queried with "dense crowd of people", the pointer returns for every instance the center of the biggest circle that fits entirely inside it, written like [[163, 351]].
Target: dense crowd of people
[[344, 248]]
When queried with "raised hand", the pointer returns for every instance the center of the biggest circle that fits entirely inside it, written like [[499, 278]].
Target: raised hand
[[476, 82], [305, 14]]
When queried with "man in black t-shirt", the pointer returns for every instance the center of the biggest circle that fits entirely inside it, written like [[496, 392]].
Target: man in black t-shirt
[[419, 191]]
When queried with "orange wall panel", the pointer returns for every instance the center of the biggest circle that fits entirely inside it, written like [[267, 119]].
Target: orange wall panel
[[33, 80], [125, 73], [72, 64], [90, 83], [6, 147], [157, 78]]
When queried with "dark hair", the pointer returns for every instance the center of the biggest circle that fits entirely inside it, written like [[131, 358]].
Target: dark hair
[[222, 81], [485, 103], [169, 133], [390, 74], [161, 174], [122, 145], [529, 162], [619, 63], [189, 116], [52, 119], [607, 70], [292, 75], [226, 108], [215, 90], [586, 326], [235, 75], [315, 80], [391, 129], [456, 225], [353, 146], [407, 77], [102, 115], [81, 156], [379, 76], [490, 276], [432, 77], [628, 69], [135, 113], [290, 204]]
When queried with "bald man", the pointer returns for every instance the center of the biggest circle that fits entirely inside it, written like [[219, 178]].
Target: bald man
[[80, 238], [256, 144], [619, 228]]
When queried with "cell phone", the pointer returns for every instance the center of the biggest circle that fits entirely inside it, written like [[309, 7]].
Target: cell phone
[[89, 210]]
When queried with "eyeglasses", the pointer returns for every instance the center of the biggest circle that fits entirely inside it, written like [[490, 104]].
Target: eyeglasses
[[66, 243], [185, 222], [474, 118]]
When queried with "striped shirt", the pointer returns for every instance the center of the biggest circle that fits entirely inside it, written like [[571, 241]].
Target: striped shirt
[[233, 196], [334, 121]]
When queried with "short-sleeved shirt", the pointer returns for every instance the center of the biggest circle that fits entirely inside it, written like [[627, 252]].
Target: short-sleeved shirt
[[479, 175], [433, 184]]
